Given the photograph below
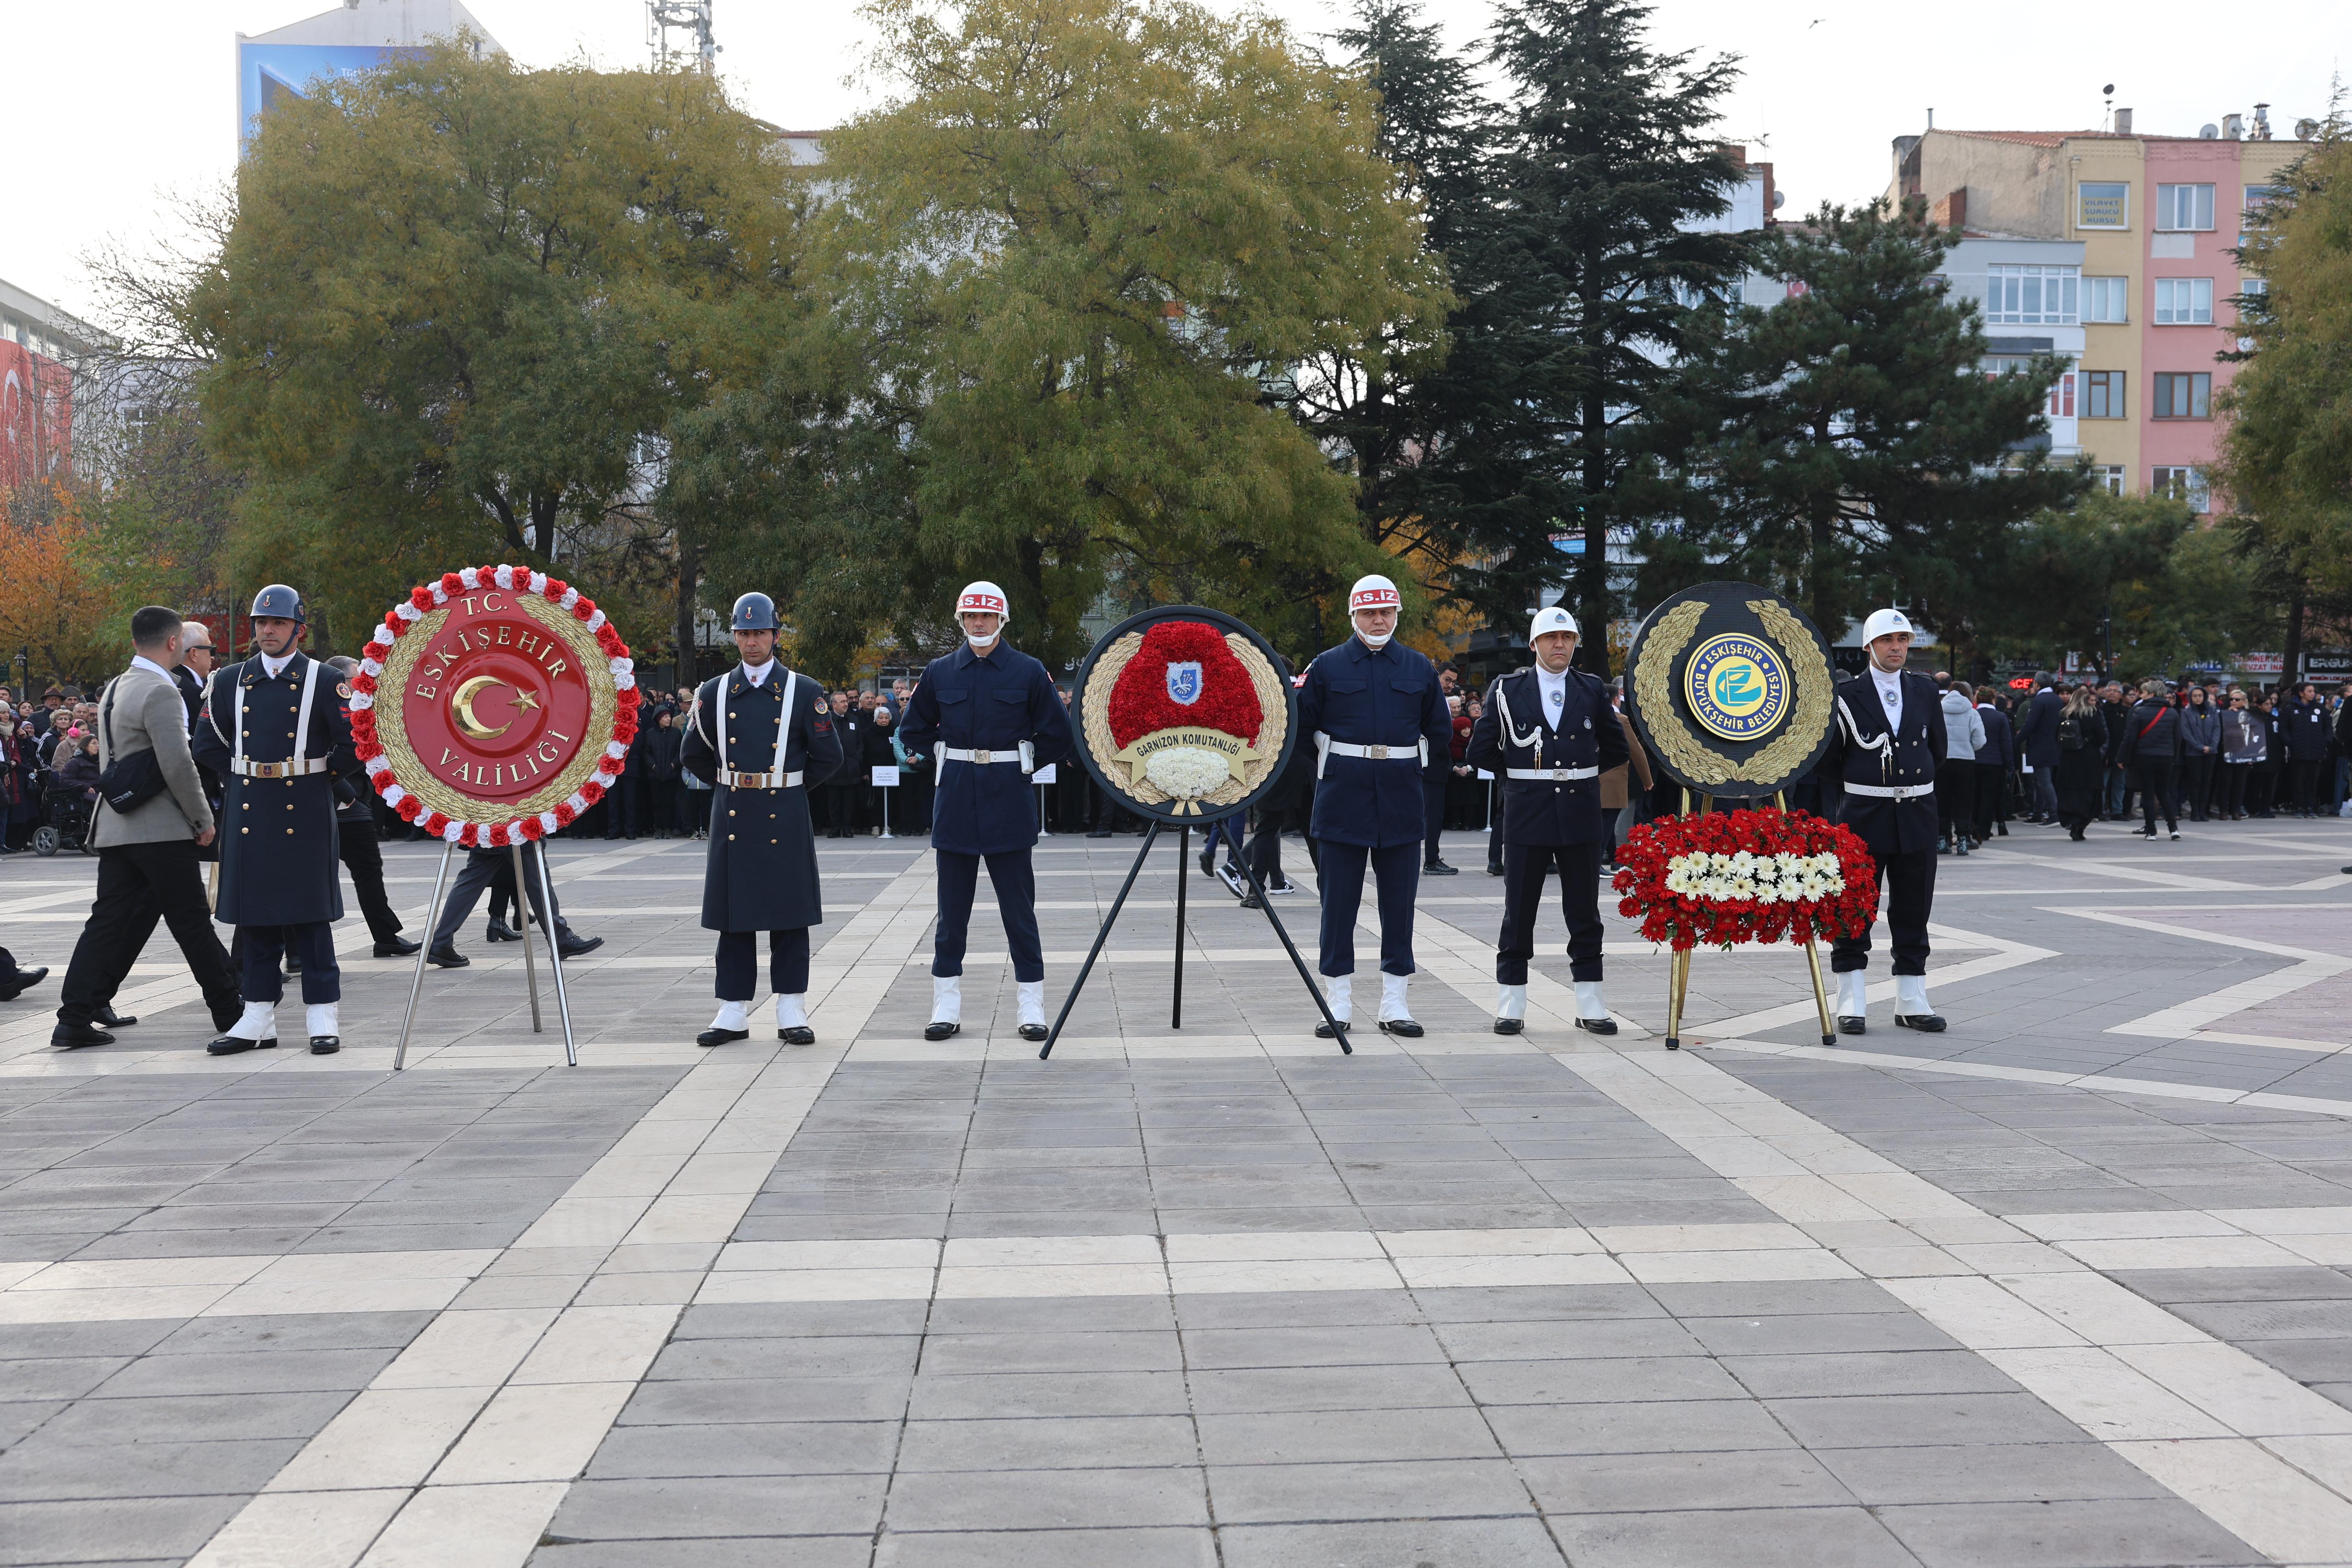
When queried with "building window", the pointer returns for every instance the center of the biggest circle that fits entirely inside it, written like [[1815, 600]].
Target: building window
[[2263, 203], [2183, 395], [2031, 296], [2108, 477], [2102, 206], [2183, 485], [2184, 207], [2184, 301], [2103, 394], [2107, 300], [2062, 397]]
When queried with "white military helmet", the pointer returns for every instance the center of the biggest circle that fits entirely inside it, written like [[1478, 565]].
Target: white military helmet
[[1551, 618], [1373, 592], [1883, 622], [983, 598]]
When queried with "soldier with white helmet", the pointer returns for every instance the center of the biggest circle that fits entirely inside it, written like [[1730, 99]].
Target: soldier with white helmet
[[1884, 748], [991, 717], [761, 734], [1549, 733], [1373, 706]]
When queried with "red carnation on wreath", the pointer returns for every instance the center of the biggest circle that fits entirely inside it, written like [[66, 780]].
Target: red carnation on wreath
[[1184, 711], [592, 791], [557, 587], [435, 823], [582, 608], [409, 809], [532, 828], [565, 816], [1682, 877]]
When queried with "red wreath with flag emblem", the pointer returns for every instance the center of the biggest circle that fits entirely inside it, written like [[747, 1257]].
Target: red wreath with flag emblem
[[1184, 711]]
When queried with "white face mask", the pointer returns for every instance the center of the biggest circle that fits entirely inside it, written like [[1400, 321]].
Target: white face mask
[[981, 644], [1374, 643]]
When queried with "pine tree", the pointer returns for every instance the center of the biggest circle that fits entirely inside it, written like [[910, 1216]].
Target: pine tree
[[1841, 444], [1575, 275]]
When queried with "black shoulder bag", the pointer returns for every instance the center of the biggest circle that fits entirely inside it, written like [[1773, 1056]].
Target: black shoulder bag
[[129, 782]]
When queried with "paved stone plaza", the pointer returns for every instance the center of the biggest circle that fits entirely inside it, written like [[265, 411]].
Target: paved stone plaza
[[2070, 1284]]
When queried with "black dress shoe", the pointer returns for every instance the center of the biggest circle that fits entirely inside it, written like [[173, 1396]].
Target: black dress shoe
[[1405, 1026], [567, 946], [1494, 867], [20, 982], [326, 1044], [1100, 833], [1598, 1026], [1439, 867], [1324, 1031], [798, 1034], [1925, 1023], [107, 1018], [721, 1036], [74, 1035], [293, 965], [499, 930], [1510, 1026], [446, 957], [1849, 1024], [396, 947], [1033, 1031], [230, 1045], [937, 1031]]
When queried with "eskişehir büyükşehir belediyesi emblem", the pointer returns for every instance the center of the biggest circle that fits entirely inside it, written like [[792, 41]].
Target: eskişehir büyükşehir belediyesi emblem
[[1737, 686], [1182, 716]]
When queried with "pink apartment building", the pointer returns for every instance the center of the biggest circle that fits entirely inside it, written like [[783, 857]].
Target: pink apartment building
[[2157, 219]]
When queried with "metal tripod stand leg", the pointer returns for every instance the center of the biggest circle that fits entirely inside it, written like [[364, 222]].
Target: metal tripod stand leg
[[555, 956], [522, 919], [1095, 951], [416, 986]]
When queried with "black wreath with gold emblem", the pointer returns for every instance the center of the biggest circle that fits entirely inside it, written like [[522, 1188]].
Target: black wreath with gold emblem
[[1183, 714], [1730, 686]]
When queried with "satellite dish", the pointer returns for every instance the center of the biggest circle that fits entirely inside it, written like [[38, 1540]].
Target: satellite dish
[[2109, 90], [2209, 132], [1781, 198]]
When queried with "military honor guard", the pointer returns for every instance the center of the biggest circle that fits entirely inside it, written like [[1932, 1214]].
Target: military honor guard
[[1549, 733], [1889, 737], [276, 733], [1373, 707], [761, 735], [991, 715]]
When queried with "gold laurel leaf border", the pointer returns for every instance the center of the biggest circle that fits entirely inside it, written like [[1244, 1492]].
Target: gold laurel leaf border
[[1094, 718], [408, 768], [1809, 674]]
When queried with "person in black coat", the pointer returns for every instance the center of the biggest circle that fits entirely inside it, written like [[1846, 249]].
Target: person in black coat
[[878, 752], [1885, 745], [274, 730], [2037, 749], [2080, 737], [661, 742], [761, 734], [2303, 723], [1547, 733], [2152, 751]]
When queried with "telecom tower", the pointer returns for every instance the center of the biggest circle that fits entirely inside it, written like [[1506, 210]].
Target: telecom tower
[[689, 20]]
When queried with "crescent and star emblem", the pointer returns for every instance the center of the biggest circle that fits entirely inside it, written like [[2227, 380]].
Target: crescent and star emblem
[[461, 706]]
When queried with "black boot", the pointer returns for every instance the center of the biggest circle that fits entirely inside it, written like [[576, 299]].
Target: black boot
[[445, 956], [395, 946]]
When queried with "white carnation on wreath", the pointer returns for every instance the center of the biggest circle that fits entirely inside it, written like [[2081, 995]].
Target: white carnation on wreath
[[1187, 772]]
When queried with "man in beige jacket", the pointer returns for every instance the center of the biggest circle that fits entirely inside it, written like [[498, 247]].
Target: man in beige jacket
[[147, 855]]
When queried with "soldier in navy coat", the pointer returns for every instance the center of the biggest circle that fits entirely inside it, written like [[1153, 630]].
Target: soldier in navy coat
[[1373, 707], [1549, 733], [1883, 749], [991, 715], [275, 732], [761, 734]]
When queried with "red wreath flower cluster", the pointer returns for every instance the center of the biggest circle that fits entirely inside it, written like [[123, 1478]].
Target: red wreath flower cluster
[[1140, 704], [1695, 908], [429, 597]]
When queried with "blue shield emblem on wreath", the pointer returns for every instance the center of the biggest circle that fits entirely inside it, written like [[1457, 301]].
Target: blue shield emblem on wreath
[[1184, 683]]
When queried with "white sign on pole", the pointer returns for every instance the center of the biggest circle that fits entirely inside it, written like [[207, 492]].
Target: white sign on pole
[[1483, 773], [885, 778], [1045, 774]]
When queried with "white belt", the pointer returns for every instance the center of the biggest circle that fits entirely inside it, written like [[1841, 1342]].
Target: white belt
[[1551, 772], [734, 780], [1891, 792], [1418, 751], [300, 766], [984, 759]]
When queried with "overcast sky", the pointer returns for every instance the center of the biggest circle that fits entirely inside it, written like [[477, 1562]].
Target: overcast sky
[[116, 106]]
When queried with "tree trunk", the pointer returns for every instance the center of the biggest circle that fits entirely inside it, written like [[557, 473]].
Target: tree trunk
[[1592, 650], [689, 574]]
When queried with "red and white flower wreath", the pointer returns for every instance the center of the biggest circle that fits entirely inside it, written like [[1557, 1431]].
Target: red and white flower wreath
[[432, 596]]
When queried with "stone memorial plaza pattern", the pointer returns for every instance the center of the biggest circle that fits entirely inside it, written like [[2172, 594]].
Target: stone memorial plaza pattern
[[2071, 1284]]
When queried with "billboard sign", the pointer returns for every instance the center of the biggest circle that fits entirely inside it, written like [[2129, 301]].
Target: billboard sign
[[268, 73], [36, 415]]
